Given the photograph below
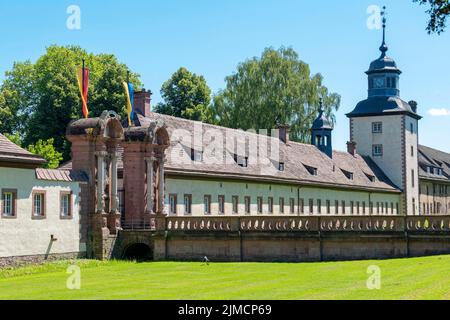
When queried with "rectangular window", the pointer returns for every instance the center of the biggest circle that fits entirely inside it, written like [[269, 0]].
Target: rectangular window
[[357, 208], [207, 204], [173, 203], [377, 150], [9, 199], [270, 205], [221, 204], [247, 205], [352, 207], [378, 208], [311, 206], [392, 208], [302, 206], [319, 206], [187, 204], [412, 177], [65, 204], [292, 205], [328, 206], [281, 205], [412, 151], [38, 204], [370, 207], [260, 205], [235, 200], [364, 207], [281, 166], [336, 207], [343, 207], [377, 127]]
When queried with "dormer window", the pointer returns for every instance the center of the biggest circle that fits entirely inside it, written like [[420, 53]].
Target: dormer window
[[312, 171], [281, 166], [241, 161], [348, 174], [370, 177], [196, 155]]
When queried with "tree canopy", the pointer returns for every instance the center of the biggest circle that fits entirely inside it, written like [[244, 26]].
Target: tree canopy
[[438, 10], [275, 89], [186, 95], [38, 100]]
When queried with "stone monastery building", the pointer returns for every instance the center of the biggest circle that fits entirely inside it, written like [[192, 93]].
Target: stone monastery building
[[162, 171]]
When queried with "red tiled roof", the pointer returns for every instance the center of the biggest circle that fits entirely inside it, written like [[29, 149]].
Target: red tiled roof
[[61, 175]]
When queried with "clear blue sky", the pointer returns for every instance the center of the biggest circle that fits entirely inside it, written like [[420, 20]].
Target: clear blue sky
[[210, 37]]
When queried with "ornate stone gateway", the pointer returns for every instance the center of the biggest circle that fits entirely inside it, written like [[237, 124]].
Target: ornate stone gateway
[[98, 145]]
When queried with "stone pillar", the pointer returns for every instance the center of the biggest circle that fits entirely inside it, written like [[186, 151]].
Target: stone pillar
[[161, 187], [114, 216], [149, 199], [100, 181], [114, 195]]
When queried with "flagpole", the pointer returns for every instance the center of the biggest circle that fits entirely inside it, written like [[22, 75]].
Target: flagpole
[[82, 84], [82, 77]]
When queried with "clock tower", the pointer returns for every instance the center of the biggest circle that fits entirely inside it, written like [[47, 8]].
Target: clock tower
[[385, 128]]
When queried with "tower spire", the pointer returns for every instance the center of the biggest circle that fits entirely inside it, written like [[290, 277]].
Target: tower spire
[[384, 47]]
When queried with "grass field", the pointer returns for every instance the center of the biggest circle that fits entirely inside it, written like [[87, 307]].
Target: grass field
[[421, 278]]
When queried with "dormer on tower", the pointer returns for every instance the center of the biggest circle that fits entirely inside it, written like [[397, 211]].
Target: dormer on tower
[[321, 132]]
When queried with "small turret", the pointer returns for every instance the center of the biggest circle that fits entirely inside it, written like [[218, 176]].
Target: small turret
[[321, 132]]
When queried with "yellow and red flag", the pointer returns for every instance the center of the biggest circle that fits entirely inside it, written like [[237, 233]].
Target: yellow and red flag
[[83, 83]]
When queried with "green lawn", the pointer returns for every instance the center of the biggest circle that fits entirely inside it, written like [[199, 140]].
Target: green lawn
[[421, 278]]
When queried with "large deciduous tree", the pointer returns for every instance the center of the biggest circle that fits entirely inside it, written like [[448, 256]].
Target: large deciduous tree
[[38, 100], [186, 95], [275, 89], [438, 10]]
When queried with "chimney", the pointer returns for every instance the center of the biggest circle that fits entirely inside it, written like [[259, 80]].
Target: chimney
[[413, 105], [351, 148], [142, 101], [283, 131]]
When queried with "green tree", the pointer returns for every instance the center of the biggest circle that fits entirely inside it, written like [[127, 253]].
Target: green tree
[[47, 150], [186, 95], [39, 100], [438, 10], [14, 138], [275, 89]]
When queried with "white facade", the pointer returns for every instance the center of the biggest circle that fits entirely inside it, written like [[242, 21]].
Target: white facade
[[398, 139], [323, 200], [25, 235]]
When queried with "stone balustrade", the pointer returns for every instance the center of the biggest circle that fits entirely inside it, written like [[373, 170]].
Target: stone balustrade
[[307, 223], [429, 223]]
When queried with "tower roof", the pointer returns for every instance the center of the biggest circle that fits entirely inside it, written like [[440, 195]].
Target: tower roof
[[383, 63], [322, 121]]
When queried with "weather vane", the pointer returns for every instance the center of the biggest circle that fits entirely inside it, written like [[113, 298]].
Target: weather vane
[[383, 47], [384, 14]]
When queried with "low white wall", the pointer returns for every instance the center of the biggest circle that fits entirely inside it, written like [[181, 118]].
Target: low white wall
[[24, 236]]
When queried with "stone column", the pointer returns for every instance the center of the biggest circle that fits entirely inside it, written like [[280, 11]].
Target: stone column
[[114, 194], [114, 216], [100, 181], [149, 207], [161, 187]]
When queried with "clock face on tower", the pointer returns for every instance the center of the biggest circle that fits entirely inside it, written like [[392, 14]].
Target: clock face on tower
[[378, 82]]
